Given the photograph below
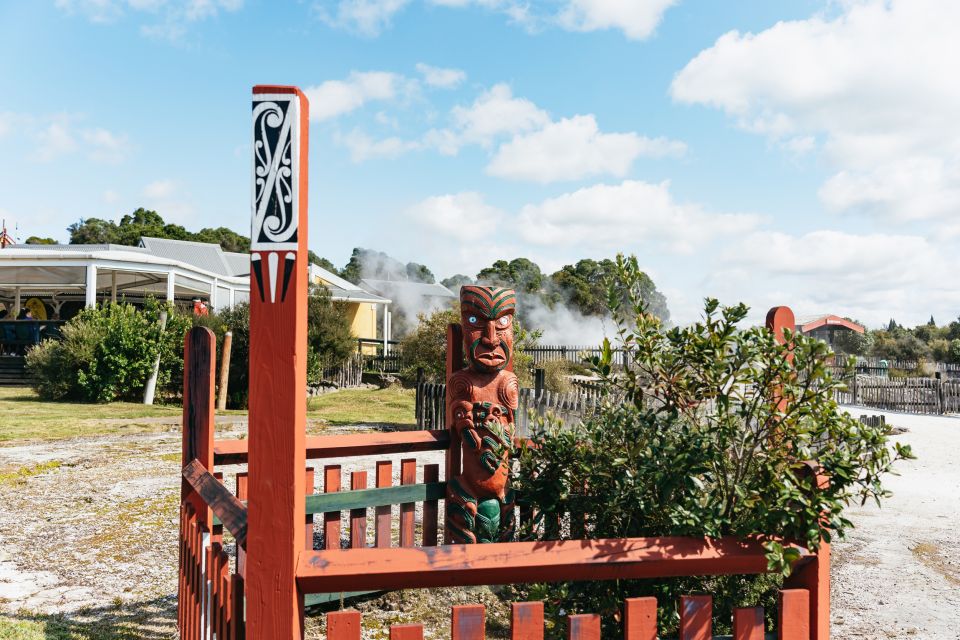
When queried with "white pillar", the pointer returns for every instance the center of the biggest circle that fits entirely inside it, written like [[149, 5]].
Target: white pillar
[[213, 295], [113, 287], [232, 297], [16, 304], [91, 290], [171, 285]]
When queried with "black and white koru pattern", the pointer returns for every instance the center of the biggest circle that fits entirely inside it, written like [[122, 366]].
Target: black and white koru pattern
[[276, 123]]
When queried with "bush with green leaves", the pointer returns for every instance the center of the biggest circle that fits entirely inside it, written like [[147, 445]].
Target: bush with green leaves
[[699, 443], [426, 347], [107, 353]]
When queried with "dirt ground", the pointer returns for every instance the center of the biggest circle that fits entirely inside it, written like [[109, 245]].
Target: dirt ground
[[88, 536]]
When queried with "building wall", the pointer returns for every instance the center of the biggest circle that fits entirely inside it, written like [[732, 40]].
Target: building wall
[[363, 319]]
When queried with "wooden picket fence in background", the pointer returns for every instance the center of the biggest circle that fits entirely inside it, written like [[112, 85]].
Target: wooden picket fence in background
[[932, 396]]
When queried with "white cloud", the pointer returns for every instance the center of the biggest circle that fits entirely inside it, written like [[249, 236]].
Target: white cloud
[[866, 276], [366, 17], [337, 97], [54, 141], [575, 148], [110, 196], [448, 214], [611, 217], [441, 77], [363, 147], [105, 146], [173, 15], [636, 18], [497, 112], [159, 189], [875, 83]]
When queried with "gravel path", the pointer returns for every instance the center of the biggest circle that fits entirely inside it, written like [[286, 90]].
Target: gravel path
[[89, 531], [898, 573]]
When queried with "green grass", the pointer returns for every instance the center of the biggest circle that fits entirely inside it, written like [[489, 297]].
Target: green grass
[[117, 625], [392, 406], [25, 417]]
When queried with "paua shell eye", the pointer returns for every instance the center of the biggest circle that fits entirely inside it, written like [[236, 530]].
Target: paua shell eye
[[472, 319], [504, 321]]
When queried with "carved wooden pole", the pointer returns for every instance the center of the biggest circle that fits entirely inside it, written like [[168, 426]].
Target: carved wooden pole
[[278, 356], [481, 401]]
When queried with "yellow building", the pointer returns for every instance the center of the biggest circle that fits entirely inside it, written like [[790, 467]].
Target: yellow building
[[362, 304]]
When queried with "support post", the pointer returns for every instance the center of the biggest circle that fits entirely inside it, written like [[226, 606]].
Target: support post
[[171, 286], [90, 293], [278, 375], [151, 387], [213, 295], [224, 370], [16, 303], [113, 286]]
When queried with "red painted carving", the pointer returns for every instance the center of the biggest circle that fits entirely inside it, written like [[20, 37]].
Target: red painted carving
[[481, 401]]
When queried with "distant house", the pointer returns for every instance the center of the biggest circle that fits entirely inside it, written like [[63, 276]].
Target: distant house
[[64, 278], [409, 299], [826, 327], [364, 307]]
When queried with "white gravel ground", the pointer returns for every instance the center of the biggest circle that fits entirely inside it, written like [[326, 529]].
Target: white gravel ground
[[897, 575]]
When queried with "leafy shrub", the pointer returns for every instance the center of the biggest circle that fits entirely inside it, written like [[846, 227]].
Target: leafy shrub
[[426, 348], [701, 445], [107, 353]]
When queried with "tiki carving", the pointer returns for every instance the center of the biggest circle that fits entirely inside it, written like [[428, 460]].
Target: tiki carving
[[481, 401]]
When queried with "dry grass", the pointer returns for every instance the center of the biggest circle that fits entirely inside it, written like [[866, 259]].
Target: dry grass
[[933, 557], [24, 417]]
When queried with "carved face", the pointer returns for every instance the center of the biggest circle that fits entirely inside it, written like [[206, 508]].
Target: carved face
[[486, 314]]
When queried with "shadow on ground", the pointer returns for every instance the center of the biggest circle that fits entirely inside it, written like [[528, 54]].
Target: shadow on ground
[[144, 620]]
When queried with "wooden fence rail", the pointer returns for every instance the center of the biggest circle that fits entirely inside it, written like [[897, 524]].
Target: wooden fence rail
[[931, 396]]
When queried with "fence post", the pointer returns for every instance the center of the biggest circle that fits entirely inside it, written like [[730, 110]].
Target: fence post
[[539, 380], [198, 381], [278, 374]]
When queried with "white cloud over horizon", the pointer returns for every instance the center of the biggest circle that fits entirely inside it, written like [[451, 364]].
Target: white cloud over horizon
[[869, 85], [443, 78], [334, 98]]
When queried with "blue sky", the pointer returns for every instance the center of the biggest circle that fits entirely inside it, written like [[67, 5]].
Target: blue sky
[[803, 153]]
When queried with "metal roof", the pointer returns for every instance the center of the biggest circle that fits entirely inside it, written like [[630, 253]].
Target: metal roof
[[239, 263], [401, 288], [205, 255]]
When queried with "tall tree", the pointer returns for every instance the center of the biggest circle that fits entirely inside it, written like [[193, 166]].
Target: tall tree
[[520, 273]]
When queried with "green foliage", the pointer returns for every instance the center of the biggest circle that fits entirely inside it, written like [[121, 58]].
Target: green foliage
[[520, 273], [107, 354], [456, 281], [39, 240], [323, 263], [694, 441], [426, 346], [237, 321], [377, 265], [852, 343], [329, 339], [556, 375], [144, 222], [585, 286]]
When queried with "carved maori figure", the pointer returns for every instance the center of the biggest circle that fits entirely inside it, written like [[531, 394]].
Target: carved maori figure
[[481, 401]]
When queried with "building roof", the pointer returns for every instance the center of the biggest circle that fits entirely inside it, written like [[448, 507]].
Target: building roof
[[807, 324], [206, 255], [406, 288], [341, 289]]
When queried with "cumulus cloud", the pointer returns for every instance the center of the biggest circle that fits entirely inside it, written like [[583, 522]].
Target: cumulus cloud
[[105, 146], [364, 147], [609, 217], [871, 84], [870, 277], [441, 77], [171, 16], [365, 17], [575, 148], [59, 136], [336, 97], [636, 18], [54, 140], [497, 112], [159, 189], [447, 214]]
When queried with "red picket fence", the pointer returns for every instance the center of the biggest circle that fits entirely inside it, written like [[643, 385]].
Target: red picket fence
[[467, 622]]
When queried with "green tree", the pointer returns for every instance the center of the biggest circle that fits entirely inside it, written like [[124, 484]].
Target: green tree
[[228, 239], [419, 273], [852, 343], [323, 263], [520, 273], [329, 338], [693, 441], [145, 222], [39, 240], [454, 282]]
